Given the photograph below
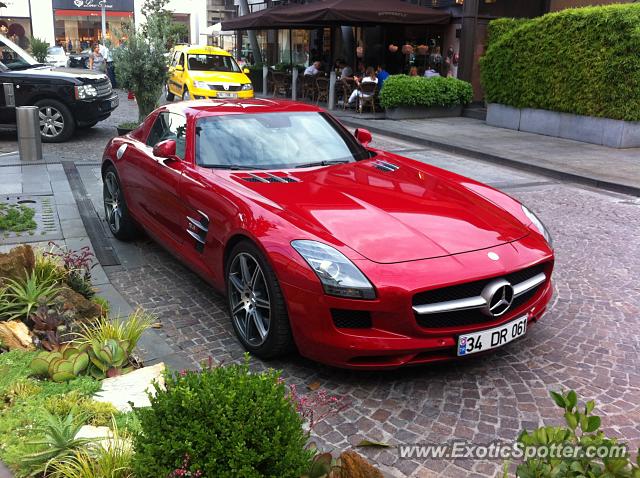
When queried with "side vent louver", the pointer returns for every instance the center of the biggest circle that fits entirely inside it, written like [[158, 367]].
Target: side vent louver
[[384, 166]]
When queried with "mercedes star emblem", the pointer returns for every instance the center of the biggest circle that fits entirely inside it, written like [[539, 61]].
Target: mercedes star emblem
[[498, 295]]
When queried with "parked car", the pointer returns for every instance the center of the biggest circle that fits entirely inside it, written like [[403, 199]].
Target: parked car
[[56, 56], [205, 72], [80, 60], [67, 98], [359, 257]]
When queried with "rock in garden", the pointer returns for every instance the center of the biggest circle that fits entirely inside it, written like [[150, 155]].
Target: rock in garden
[[94, 433], [15, 335], [76, 304], [354, 466], [17, 263], [132, 387]]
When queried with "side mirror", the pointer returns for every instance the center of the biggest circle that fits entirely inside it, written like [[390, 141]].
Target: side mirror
[[363, 136], [246, 71], [165, 149], [179, 68]]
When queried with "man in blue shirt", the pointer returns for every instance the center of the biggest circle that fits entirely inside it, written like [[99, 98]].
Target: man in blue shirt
[[382, 75]]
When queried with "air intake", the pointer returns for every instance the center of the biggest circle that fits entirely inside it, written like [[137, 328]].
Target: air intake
[[267, 178], [384, 166]]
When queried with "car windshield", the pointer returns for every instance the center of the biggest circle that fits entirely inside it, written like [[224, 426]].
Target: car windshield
[[274, 141], [202, 62], [14, 57], [55, 50]]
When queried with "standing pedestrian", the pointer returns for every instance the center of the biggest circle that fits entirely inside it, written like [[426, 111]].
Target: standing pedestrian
[[96, 60]]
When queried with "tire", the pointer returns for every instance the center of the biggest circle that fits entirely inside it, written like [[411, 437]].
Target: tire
[[87, 126], [57, 124], [116, 212], [186, 96], [169, 96], [253, 299]]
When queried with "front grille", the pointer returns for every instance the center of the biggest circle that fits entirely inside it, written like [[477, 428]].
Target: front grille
[[222, 88], [471, 289], [103, 87], [351, 319]]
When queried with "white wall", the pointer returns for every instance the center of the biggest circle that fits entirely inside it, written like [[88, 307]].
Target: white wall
[[196, 9], [42, 20]]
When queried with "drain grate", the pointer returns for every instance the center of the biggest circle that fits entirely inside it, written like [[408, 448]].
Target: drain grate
[[46, 218]]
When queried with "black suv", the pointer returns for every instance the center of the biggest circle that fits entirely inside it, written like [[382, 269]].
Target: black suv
[[67, 98]]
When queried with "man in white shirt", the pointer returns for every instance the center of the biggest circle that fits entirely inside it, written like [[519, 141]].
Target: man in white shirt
[[106, 53], [313, 69], [430, 72]]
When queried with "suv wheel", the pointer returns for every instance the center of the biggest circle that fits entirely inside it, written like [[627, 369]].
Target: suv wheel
[[169, 96], [186, 96], [56, 122]]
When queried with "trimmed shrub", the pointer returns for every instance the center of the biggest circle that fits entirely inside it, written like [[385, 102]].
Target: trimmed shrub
[[403, 90], [584, 61], [230, 423], [501, 26]]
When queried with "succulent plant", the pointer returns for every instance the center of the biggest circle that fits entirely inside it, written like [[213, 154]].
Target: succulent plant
[[323, 465], [48, 325], [61, 366], [109, 358]]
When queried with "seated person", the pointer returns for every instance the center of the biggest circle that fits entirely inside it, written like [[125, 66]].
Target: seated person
[[369, 78], [313, 69], [346, 73], [430, 72]]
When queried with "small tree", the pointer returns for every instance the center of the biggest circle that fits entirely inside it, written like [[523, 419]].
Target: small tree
[[39, 49], [140, 62]]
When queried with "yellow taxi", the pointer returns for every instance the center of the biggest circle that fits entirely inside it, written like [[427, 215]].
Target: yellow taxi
[[197, 71]]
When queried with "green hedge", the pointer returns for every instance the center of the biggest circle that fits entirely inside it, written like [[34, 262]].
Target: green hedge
[[501, 26], [403, 90], [584, 61]]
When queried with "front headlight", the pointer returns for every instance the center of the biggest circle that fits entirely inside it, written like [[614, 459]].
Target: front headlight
[[338, 275], [537, 223], [247, 86], [201, 84], [86, 91]]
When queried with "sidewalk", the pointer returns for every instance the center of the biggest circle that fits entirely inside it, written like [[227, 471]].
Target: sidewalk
[[597, 166]]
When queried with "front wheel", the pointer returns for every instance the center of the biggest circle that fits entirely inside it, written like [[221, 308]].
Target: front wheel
[[186, 96], [116, 212], [169, 96], [256, 303], [56, 122]]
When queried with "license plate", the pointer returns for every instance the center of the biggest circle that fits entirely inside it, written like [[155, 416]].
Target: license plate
[[115, 102], [492, 338], [222, 94]]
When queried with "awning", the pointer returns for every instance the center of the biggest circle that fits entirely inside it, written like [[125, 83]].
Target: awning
[[338, 12], [215, 30]]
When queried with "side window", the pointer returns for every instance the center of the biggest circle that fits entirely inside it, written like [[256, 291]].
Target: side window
[[174, 57], [169, 126], [181, 60]]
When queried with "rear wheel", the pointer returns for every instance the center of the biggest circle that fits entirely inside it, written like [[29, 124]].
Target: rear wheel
[[256, 303], [56, 122], [120, 222], [186, 96]]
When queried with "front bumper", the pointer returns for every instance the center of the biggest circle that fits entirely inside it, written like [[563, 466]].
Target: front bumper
[[202, 93], [89, 111], [395, 338]]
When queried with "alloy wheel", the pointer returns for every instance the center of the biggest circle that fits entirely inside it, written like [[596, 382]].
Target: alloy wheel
[[112, 202], [249, 299], [51, 121]]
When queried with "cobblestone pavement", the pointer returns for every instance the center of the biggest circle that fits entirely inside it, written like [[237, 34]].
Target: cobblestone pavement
[[588, 341]]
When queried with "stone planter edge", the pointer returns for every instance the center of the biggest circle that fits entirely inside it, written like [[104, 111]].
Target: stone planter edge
[[421, 112]]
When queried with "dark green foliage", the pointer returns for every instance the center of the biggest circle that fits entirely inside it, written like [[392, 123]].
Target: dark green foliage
[[501, 26], [229, 421], [584, 61], [39, 49], [403, 90], [582, 430]]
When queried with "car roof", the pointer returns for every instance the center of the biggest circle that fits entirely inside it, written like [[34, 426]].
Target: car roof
[[202, 49], [201, 108]]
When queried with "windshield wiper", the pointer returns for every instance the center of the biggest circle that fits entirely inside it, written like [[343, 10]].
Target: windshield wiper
[[321, 163], [229, 166]]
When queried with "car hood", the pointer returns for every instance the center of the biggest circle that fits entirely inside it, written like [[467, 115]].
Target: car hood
[[390, 216], [218, 77], [85, 76]]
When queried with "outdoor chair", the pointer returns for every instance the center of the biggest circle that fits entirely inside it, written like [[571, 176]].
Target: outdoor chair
[[323, 90], [281, 83], [309, 87], [347, 88], [368, 96]]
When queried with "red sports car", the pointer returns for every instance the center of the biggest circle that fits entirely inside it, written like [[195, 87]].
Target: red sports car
[[358, 257]]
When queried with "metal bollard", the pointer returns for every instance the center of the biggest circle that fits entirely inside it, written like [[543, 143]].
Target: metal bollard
[[332, 91], [265, 75], [294, 83], [29, 140]]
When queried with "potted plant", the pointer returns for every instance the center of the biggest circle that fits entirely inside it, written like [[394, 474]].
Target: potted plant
[[127, 127]]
